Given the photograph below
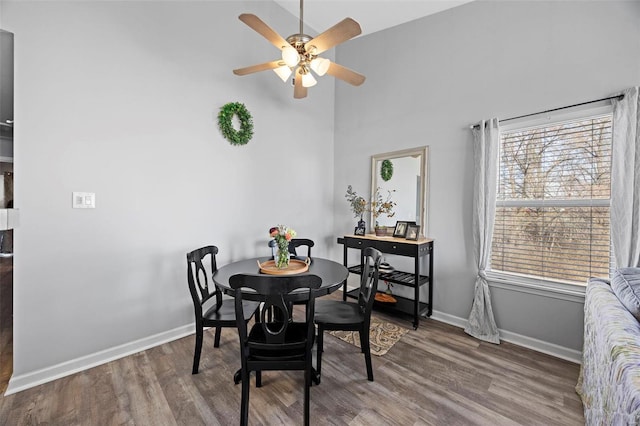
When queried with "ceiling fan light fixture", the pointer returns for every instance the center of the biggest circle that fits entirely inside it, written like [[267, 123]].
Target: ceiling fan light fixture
[[320, 66], [290, 56], [308, 80], [283, 72]]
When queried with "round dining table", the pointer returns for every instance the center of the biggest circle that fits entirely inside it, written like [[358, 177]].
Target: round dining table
[[333, 274]]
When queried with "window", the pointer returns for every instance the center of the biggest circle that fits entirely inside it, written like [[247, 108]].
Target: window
[[552, 208]]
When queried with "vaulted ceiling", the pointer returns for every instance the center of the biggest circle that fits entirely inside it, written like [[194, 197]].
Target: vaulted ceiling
[[373, 15]]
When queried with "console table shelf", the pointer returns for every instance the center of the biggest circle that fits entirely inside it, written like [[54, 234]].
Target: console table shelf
[[403, 306], [396, 277], [401, 247]]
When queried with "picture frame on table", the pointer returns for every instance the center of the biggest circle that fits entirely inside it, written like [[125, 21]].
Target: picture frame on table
[[413, 231], [401, 229]]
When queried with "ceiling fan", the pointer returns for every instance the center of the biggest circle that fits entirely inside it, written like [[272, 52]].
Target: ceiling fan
[[300, 53]]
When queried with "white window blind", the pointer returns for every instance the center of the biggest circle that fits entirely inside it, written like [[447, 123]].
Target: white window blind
[[552, 209]]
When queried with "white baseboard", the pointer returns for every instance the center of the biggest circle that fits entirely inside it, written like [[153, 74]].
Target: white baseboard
[[518, 339], [552, 349], [449, 319], [25, 381]]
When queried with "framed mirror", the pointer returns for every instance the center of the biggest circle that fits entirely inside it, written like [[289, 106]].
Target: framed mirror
[[405, 174]]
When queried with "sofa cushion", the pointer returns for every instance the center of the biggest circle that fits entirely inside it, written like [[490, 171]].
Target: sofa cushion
[[625, 283]]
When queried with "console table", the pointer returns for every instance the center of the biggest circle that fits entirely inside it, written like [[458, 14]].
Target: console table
[[401, 247]]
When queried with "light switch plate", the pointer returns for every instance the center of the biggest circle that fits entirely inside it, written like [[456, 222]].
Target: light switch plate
[[84, 200]]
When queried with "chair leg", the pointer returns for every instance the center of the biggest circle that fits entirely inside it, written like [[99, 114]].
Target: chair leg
[[319, 349], [362, 336], [197, 350], [366, 348], [216, 342], [258, 379], [244, 403], [307, 391], [321, 338]]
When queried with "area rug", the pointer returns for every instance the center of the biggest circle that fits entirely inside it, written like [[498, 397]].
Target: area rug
[[382, 336]]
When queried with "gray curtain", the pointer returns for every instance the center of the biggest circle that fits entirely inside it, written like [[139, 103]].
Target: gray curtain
[[486, 135], [625, 180]]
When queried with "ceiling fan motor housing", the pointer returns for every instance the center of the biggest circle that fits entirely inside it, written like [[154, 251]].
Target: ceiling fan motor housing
[[298, 42]]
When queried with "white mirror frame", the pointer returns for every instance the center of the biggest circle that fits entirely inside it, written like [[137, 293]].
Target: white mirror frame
[[422, 151]]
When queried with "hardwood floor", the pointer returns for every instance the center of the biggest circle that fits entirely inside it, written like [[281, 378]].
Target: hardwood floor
[[436, 375]]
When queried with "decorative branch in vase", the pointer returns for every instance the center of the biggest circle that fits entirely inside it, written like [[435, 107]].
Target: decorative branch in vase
[[358, 206], [381, 206], [377, 206]]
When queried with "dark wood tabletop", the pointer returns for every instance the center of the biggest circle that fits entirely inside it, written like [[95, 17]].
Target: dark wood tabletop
[[333, 274]]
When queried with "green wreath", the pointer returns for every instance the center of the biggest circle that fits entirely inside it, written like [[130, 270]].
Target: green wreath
[[386, 170], [235, 137]]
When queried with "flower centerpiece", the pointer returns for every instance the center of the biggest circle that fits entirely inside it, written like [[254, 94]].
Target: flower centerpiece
[[380, 206], [282, 235]]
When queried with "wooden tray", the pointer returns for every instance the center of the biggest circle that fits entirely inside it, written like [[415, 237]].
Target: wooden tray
[[296, 266], [385, 298]]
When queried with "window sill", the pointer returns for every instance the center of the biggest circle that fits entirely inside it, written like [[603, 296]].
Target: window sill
[[553, 289]]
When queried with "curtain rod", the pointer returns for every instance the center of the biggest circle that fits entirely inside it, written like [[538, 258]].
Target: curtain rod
[[618, 97]]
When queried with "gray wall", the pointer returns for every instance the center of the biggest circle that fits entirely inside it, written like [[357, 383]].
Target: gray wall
[[429, 79], [121, 99]]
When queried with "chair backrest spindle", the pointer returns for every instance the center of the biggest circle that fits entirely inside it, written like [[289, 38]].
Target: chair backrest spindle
[[371, 259]]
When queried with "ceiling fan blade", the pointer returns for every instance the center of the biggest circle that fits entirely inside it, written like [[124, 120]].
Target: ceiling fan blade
[[340, 32], [259, 67], [263, 29], [299, 91], [345, 74]]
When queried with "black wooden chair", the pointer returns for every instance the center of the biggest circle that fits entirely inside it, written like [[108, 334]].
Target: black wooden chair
[[294, 244], [341, 315], [206, 295], [283, 345]]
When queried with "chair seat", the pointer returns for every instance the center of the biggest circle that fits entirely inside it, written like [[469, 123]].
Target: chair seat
[[293, 347], [336, 312], [227, 312]]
